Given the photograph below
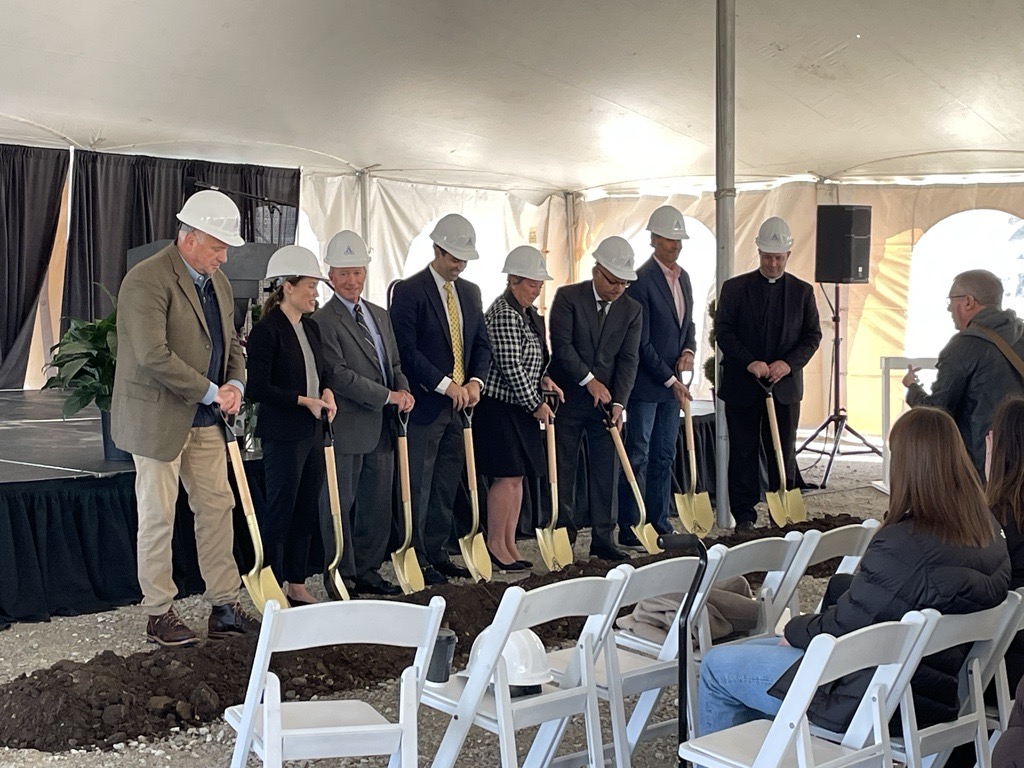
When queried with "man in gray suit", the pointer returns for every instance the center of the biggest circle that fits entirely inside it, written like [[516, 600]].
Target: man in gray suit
[[178, 360], [359, 344]]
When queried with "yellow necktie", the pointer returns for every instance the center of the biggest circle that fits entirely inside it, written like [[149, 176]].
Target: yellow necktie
[[455, 327]]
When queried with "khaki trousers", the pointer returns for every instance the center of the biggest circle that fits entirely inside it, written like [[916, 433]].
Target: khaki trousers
[[202, 468]]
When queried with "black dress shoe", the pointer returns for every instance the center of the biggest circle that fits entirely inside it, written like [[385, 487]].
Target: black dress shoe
[[512, 567], [663, 530], [628, 539], [608, 551], [373, 584], [745, 525], [450, 569], [294, 602], [431, 576], [525, 563]]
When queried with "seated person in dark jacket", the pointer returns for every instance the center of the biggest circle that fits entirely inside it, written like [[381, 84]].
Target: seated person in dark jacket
[[939, 547]]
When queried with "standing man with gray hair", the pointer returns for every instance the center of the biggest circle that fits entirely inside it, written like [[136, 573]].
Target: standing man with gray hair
[[179, 365], [974, 373], [366, 372]]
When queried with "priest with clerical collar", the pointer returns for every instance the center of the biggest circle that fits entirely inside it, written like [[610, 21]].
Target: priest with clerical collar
[[767, 328]]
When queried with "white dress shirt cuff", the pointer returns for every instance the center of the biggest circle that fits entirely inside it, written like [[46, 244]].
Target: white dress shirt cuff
[[587, 379], [211, 393], [442, 388], [670, 382]]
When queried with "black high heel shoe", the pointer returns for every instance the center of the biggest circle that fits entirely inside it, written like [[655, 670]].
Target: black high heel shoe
[[506, 567]]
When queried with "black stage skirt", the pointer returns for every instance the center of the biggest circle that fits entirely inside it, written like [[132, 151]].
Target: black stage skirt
[[507, 440]]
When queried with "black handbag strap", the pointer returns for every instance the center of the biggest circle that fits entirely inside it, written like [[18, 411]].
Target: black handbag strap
[[1005, 348]]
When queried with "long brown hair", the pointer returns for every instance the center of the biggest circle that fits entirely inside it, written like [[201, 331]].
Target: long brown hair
[[1006, 475], [273, 301], [932, 481]]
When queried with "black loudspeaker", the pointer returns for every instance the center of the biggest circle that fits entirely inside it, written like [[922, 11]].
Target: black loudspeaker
[[843, 252]]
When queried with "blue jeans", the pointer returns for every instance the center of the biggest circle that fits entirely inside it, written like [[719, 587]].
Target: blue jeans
[[651, 434], [734, 683]]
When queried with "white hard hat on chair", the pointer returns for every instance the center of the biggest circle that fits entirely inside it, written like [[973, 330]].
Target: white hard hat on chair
[[213, 213], [454, 234]]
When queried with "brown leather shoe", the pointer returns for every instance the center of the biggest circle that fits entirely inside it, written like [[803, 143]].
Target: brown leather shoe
[[229, 620], [168, 630]]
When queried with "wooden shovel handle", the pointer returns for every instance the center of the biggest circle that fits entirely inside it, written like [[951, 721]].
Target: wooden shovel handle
[[467, 439], [403, 469], [776, 441], [691, 451], [238, 470]]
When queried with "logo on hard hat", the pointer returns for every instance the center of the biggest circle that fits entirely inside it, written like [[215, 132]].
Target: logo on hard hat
[[469, 242], [349, 251]]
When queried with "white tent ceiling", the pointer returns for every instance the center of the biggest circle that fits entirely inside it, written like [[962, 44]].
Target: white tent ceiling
[[539, 94]]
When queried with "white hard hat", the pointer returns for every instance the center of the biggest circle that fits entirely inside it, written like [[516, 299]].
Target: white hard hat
[[526, 261], [294, 261], [215, 214], [616, 255], [668, 222], [774, 236], [347, 249], [454, 234], [526, 661]]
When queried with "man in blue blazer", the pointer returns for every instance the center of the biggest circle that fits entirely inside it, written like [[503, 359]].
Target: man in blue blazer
[[442, 340], [667, 346]]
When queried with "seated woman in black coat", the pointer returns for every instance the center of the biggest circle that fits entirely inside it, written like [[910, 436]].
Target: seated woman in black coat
[[939, 547]]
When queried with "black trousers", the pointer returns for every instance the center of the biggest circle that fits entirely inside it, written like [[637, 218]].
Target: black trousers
[[365, 485], [437, 457], [294, 473], [570, 427], [748, 430]]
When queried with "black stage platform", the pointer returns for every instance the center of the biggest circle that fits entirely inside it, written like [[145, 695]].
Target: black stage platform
[[68, 518]]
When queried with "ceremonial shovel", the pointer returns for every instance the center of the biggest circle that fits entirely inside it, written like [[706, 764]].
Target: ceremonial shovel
[[407, 567], [555, 549], [260, 582], [643, 530], [784, 506], [472, 546], [694, 508], [333, 577]]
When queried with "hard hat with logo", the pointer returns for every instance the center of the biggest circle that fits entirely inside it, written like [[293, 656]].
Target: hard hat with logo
[[616, 256], [774, 236], [215, 214], [667, 222], [293, 261], [347, 249], [526, 661], [526, 261], [454, 234]]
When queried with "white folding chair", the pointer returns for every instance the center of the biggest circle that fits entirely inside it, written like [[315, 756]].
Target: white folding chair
[[638, 673], [989, 633], [848, 542], [787, 740], [305, 730], [999, 714], [480, 696]]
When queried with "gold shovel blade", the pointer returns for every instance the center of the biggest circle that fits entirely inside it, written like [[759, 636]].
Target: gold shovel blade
[[270, 587], [684, 509], [338, 584], [648, 537], [795, 506], [481, 557], [703, 514], [252, 586], [777, 508], [466, 549], [398, 561], [547, 549], [561, 547]]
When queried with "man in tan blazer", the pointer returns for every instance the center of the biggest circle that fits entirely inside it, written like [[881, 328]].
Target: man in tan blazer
[[366, 373], [178, 360]]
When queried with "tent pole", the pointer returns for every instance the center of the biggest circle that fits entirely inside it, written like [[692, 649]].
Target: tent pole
[[364, 204], [570, 225], [725, 216]]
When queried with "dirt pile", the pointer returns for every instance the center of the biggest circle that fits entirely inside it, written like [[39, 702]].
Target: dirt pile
[[111, 699]]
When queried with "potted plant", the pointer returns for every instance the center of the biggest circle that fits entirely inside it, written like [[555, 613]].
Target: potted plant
[[83, 365]]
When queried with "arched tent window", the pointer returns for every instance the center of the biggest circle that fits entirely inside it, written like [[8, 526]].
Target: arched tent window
[[698, 259], [978, 239]]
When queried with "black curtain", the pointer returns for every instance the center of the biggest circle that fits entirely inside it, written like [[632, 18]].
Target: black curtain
[[31, 183], [119, 202]]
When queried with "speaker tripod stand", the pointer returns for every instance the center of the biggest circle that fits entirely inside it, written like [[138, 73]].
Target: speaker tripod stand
[[839, 419]]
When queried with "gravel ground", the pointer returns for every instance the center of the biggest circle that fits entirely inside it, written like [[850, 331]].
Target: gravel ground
[[26, 647]]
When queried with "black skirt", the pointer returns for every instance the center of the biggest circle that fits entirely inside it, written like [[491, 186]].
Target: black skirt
[[507, 440]]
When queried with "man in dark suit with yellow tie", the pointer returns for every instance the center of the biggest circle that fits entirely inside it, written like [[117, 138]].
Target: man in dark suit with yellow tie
[[366, 371], [595, 335], [439, 325]]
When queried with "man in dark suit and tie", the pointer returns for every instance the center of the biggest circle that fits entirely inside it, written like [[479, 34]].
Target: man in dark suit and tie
[[767, 328], [366, 370], [439, 325], [667, 345], [595, 334]]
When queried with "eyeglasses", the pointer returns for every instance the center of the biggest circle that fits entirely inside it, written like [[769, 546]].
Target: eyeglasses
[[615, 283], [949, 299]]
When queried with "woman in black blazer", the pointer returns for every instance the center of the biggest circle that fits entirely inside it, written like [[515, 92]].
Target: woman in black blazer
[[288, 379]]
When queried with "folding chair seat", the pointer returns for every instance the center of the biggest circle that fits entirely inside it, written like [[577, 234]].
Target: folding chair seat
[[279, 730], [637, 673], [989, 633], [480, 696], [890, 647], [848, 542]]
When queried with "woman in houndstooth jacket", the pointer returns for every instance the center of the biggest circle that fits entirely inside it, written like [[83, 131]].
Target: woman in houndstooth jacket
[[507, 438]]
